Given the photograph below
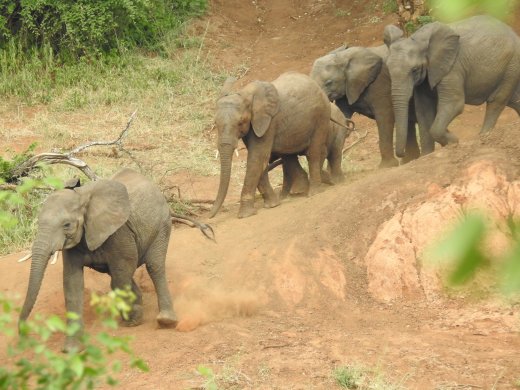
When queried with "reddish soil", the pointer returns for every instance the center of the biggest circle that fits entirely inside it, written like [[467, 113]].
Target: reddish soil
[[285, 296]]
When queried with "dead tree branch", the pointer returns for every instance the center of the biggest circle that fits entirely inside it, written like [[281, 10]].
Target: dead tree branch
[[118, 141], [53, 158], [27, 166]]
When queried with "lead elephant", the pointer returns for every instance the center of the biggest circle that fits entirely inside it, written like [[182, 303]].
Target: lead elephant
[[112, 226], [358, 80], [473, 61], [288, 116]]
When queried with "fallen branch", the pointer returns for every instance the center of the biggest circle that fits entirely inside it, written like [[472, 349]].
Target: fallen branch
[[53, 158], [118, 141], [32, 163], [206, 229]]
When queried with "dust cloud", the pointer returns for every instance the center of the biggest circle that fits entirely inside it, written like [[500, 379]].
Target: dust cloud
[[201, 304]]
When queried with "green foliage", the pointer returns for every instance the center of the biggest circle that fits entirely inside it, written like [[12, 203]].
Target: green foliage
[[362, 378], [73, 29], [348, 377], [7, 166], [390, 6], [208, 374], [450, 10], [412, 26], [462, 249], [19, 205], [33, 364]]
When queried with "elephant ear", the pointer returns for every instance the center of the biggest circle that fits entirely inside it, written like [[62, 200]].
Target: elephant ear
[[443, 47], [361, 70], [338, 49], [228, 86], [391, 34], [265, 105], [107, 209]]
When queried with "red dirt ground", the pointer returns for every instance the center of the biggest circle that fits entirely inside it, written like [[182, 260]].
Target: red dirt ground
[[285, 296]]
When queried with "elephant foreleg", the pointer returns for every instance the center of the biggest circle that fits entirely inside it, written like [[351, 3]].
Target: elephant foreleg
[[265, 188], [259, 150], [385, 128], [450, 104], [73, 285]]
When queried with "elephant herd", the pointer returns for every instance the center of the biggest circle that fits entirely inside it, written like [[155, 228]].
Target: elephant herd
[[117, 225]]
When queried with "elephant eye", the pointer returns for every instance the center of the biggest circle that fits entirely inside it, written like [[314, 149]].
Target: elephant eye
[[328, 83], [67, 225]]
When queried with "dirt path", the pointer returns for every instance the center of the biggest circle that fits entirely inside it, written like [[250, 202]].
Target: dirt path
[[283, 296]]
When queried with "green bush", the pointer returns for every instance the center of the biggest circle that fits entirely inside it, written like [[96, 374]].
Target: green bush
[[89, 28], [32, 364]]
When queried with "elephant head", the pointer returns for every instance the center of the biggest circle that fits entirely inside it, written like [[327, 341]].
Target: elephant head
[[87, 215], [428, 54], [346, 73], [251, 108]]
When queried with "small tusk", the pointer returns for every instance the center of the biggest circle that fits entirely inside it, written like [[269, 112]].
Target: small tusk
[[25, 258], [236, 152], [54, 258], [216, 154]]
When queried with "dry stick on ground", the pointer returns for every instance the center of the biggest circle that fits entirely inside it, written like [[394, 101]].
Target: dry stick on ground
[[67, 158]]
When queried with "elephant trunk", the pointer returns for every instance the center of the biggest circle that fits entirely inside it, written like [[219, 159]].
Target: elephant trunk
[[41, 253], [401, 102], [226, 156]]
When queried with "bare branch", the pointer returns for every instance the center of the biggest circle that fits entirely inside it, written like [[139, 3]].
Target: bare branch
[[118, 141], [53, 158]]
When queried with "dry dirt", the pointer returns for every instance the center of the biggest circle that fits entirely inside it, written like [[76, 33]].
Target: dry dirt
[[285, 296]]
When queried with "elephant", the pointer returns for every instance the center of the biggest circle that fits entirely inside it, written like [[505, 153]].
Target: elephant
[[288, 116], [445, 66], [295, 178], [358, 80], [112, 226]]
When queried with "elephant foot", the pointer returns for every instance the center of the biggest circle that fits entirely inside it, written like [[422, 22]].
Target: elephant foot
[[271, 202], [246, 210], [389, 163], [326, 178], [300, 185], [314, 189], [72, 344], [167, 319], [338, 178], [406, 159], [448, 139], [135, 317]]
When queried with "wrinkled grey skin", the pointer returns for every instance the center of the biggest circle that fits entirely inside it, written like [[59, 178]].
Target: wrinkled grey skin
[[295, 180], [288, 116], [473, 61], [112, 226], [358, 80]]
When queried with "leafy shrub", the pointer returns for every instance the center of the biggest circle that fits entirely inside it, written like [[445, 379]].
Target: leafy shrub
[[88, 28], [36, 366]]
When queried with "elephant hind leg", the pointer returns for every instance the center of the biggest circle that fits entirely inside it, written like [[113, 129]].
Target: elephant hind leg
[[514, 102], [155, 265]]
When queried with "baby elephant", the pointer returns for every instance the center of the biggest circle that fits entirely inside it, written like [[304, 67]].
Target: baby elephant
[[295, 179], [112, 226]]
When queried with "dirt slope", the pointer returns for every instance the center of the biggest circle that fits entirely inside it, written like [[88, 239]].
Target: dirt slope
[[283, 297]]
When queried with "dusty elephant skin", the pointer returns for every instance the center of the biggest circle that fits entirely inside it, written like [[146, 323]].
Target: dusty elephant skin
[[295, 180], [288, 116], [474, 61], [358, 80], [112, 226]]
